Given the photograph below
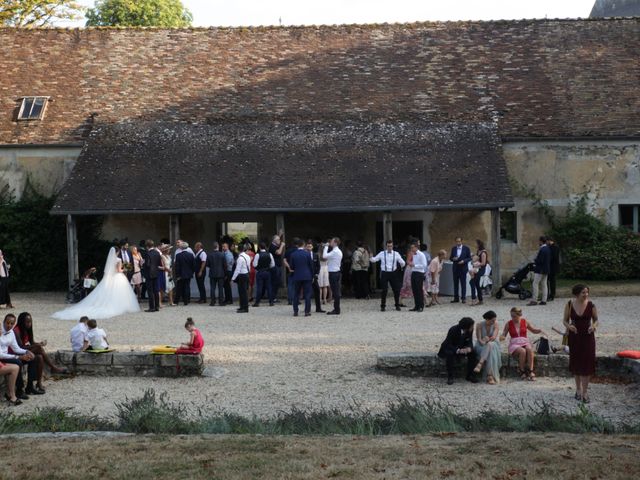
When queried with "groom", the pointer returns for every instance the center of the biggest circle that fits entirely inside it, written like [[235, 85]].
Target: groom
[[152, 268]]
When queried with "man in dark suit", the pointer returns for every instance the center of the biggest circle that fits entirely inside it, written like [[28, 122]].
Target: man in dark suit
[[151, 270], [316, 271], [460, 256], [541, 269], [217, 267], [554, 250], [301, 268], [143, 253], [459, 343], [184, 267]]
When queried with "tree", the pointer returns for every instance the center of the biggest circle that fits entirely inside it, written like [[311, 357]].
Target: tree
[[139, 13], [37, 13]]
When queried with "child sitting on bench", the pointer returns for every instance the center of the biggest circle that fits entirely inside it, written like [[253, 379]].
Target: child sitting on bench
[[96, 337], [196, 342]]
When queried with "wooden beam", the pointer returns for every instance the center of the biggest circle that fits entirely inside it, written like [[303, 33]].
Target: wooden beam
[[495, 248], [387, 227], [72, 250], [174, 229]]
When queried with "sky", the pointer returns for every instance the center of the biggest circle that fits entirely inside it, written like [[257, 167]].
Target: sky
[[328, 12]]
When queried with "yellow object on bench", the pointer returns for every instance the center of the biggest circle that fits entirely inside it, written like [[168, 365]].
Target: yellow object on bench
[[100, 350], [163, 350]]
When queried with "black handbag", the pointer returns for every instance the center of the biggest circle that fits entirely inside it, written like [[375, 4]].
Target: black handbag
[[543, 346]]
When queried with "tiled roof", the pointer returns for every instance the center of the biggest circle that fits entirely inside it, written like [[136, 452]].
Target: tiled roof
[[535, 78], [181, 168]]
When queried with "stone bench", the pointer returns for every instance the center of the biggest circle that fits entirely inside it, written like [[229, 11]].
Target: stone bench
[[131, 364], [430, 365]]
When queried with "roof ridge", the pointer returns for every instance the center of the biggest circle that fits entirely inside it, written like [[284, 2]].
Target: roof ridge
[[333, 26]]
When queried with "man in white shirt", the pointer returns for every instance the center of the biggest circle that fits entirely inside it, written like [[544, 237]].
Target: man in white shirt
[[79, 340], [241, 277], [419, 268], [391, 261], [200, 267], [334, 262]]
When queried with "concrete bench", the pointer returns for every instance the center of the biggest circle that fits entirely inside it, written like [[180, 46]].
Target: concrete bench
[[131, 364], [430, 365]]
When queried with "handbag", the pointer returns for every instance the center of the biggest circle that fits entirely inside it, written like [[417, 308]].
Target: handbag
[[543, 346]]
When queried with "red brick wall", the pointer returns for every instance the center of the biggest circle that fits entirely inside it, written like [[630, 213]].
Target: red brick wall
[[538, 78]]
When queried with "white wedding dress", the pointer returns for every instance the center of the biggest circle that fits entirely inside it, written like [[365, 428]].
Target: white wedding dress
[[113, 296]]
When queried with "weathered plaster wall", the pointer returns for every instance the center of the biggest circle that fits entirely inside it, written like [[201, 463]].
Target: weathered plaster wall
[[46, 167], [558, 172]]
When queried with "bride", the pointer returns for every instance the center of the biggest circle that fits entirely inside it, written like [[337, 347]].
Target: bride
[[112, 296]]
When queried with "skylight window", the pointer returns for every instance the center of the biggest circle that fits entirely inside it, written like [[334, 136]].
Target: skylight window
[[32, 108]]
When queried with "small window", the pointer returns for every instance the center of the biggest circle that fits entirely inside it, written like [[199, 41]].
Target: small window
[[509, 226], [32, 108], [629, 217]]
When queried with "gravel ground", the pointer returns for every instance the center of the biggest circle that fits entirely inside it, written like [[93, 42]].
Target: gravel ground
[[268, 361]]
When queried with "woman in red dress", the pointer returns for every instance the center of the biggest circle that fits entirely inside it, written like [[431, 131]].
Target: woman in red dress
[[581, 322]]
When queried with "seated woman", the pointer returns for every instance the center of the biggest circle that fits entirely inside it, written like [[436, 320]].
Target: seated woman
[[12, 353], [519, 345], [488, 348], [196, 342], [24, 335], [10, 370]]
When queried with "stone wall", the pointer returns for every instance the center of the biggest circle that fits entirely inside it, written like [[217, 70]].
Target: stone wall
[[46, 168], [130, 364], [559, 171], [430, 365]]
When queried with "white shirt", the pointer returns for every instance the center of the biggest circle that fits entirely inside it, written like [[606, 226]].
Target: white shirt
[[202, 256], [96, 338], [419, 262], [242, 265], [272, 263], [4, 271], [459, 251], [334, 258], [390, 260], [78, 336], [8, 339]]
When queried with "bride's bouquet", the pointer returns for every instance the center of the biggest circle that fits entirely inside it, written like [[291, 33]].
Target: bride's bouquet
[[127, 267]]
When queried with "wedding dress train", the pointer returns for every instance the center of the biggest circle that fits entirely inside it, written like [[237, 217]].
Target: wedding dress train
[[113, 296]]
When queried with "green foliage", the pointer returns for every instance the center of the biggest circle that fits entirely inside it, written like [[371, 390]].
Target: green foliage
[[37, 13], [34, 242], [149, 414], [50, 419], [593, 249], [139, 13]]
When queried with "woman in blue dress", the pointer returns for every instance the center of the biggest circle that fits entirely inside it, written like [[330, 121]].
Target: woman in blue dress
[[488, 348]]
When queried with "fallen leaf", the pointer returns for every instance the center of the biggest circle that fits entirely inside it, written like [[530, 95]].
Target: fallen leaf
[[480, 465]]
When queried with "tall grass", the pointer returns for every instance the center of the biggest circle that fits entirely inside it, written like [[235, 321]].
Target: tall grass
[[156, 414]]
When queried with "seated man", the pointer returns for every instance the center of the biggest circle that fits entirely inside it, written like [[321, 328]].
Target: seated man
[[459, 343]]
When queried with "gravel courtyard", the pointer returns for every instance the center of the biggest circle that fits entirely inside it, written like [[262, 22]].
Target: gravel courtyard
[[267, 361]]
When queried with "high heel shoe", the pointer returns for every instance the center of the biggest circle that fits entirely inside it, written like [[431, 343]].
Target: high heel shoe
[[14, 403], [478, 368]]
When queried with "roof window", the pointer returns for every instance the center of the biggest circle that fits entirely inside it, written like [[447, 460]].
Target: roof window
[[32, 108]]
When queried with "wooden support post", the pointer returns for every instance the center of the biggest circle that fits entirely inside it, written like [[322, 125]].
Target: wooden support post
[[174, 229], [387, 228], [495, 248], [72, 251], [279, 230]]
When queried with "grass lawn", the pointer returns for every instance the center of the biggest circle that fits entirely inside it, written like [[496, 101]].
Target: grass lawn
[[495, 455]]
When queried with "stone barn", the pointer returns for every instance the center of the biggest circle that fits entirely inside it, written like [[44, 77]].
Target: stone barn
[[365, 131]]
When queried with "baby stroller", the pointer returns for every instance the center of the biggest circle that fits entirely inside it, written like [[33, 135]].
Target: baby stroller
[[514, 284], [83, 286]]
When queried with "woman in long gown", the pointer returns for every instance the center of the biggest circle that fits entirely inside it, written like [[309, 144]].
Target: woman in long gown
[[488, 348], [113, 296], [581, 321]]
